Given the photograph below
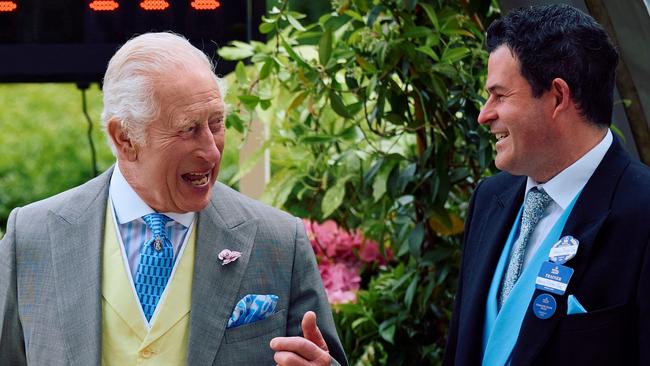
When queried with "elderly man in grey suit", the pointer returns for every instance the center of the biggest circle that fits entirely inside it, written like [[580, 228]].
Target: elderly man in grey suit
[[153, 262]]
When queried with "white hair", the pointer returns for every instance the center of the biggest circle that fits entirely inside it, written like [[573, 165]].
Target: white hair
[[131, 75]]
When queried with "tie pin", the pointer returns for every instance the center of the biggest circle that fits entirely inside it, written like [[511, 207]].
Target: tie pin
[[158, 244]]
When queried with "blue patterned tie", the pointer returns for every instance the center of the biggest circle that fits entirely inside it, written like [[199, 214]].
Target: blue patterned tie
[[536, 203], [156, 263]]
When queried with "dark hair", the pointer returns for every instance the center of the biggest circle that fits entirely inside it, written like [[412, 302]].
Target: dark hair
[[560, 41]]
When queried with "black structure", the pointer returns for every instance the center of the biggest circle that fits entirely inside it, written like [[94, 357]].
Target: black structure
[[72, 40]]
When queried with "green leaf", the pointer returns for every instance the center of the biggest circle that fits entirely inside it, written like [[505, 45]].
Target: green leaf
[[439, 87], [318, 139], [415, 239], [406, 177], [237, 51], [285, 191], [359, 321], [427, 292], [338, 106], [297, 15], [459, 174], [403, 278], [240, 73], [325, 46], [293, 54], [265, 104], [266, 69], [431, 14], [350, 133], [296, 24], [233, 121], [333, 197], [379, 184], [354, 15], [387, 330], [365, 65], [362, 5], [351, 82], [372, 172], [409, 4], [266, 28], [280, 186], [453, 55], [428, 51], [297, 101], [249, 101], [410, 292], [373, 14], [416, 32]]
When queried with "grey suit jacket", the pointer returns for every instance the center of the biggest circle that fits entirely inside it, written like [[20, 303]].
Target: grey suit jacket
[[50, 280]]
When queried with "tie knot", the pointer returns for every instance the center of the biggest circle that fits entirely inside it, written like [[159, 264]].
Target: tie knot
[[536, 203], [156, 223]]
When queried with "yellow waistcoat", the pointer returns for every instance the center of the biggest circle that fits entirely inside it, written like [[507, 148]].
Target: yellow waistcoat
[[126, 340]]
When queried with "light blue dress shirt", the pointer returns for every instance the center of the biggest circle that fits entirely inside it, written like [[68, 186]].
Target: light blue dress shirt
[[129, 208]]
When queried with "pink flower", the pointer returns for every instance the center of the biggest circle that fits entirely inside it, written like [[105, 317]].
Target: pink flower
[[341, 282], [341, 297], [370, 253], [341, 256], [226, 256]]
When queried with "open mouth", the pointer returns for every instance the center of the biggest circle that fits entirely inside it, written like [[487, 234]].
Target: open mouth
[[197, 179], [502, 135]]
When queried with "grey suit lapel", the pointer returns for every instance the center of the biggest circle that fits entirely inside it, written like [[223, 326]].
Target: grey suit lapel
[[214, 287], [76, 236]]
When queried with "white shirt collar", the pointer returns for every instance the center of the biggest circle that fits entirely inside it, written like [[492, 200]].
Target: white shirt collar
[[565, 186], [129, 206]]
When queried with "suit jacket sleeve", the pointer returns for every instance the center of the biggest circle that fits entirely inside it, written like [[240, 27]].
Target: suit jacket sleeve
[[12, 347], [307, 293]]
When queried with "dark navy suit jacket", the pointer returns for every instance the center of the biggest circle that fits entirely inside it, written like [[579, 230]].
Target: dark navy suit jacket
[[611, 219]]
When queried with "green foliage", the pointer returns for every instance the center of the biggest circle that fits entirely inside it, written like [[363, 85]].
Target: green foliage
[[373, 123], [43, 145]]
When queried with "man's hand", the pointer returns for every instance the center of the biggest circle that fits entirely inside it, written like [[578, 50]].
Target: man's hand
[[299, 351]]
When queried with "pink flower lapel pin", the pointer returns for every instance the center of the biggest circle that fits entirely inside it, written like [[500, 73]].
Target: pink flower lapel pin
[[226, 256]]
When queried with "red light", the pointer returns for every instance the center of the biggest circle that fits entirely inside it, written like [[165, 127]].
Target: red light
[[99, 5], [7, 6], [154, 5], [205, 4]]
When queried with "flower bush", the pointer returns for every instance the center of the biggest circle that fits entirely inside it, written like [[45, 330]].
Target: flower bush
[[372, 124], [342, 257]]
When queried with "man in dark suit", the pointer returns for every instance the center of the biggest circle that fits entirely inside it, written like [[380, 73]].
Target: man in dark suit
[[556, 266]]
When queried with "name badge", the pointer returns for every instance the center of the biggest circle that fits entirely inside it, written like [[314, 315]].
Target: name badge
[[565, 249], [544, 306], [553, 278]]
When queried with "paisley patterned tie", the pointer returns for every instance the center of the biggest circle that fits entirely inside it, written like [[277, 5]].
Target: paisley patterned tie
[[536, 203]]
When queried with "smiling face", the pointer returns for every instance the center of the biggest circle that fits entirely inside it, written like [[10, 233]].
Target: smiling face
[[521, 123], [177, 167]]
